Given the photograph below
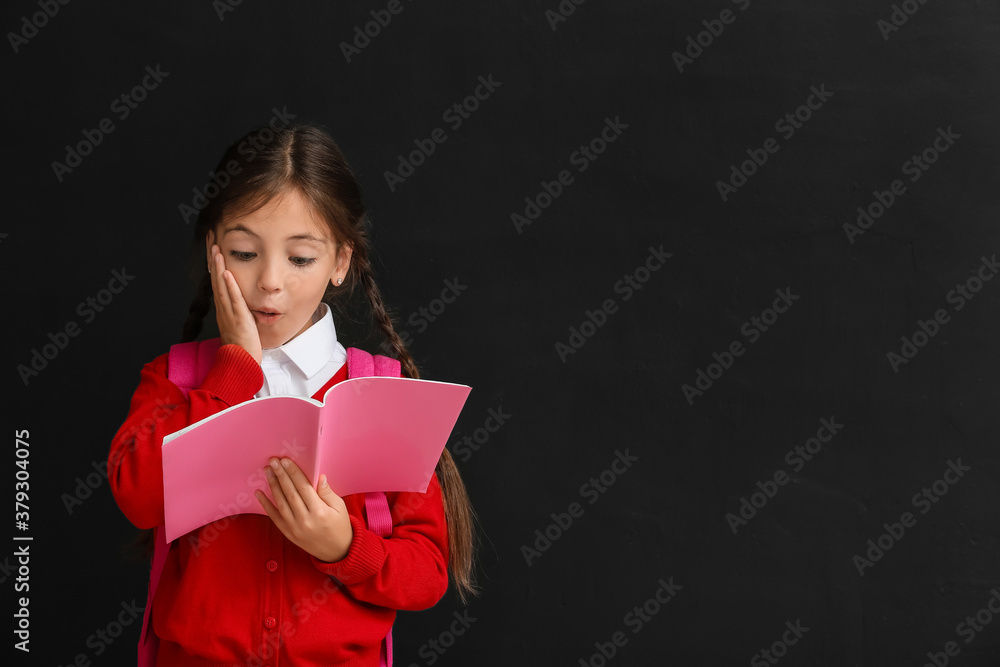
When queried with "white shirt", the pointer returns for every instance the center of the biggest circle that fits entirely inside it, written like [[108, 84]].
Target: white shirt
[[304, 364]]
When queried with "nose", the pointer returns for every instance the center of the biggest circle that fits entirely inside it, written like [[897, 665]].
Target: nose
[[272, 276]]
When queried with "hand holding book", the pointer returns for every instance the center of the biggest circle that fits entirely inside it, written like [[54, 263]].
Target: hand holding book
[[316, 520]]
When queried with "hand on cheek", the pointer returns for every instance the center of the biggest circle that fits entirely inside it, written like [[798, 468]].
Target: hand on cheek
[[236, 323]]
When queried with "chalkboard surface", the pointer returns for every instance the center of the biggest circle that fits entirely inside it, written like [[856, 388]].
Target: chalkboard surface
[[721, 274]]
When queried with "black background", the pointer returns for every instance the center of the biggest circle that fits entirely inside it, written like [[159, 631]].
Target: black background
[[655, 185]]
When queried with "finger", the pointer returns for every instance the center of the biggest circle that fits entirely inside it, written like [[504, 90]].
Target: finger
[[290, 489], [326, 494], [238, 304], [219, 286], [213, 272], [302, 485], [231, 289], [278, 499], [270, 509]]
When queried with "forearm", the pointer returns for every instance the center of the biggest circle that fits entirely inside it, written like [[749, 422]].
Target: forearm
[[408, 570]]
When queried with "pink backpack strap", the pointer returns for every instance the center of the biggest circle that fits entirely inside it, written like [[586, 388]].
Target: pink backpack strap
[[360, 364], [188, 364], [363, 364], [149, 643]]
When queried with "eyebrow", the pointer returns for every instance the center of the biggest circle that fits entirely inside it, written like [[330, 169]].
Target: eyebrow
[[297, 237]]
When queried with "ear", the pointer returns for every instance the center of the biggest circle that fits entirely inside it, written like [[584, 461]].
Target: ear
[[343, 263]]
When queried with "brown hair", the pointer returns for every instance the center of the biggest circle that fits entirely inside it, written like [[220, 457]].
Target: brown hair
[[266, 163]]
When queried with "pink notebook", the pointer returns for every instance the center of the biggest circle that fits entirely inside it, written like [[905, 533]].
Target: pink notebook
[[369, 434]]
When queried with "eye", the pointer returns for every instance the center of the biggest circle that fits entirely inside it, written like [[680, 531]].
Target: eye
[[302, 261], [243, 256]]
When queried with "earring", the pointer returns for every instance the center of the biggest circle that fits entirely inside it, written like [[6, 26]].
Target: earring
[[340, 280]]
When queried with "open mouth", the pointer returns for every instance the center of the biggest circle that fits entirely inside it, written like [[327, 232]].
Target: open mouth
[[266, 316]]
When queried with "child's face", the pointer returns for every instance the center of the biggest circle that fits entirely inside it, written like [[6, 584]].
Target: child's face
[[283, 258]]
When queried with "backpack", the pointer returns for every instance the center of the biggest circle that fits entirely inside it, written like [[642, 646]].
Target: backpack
[[187, 366]]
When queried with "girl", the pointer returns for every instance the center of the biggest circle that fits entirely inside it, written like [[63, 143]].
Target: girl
[[307, 584]]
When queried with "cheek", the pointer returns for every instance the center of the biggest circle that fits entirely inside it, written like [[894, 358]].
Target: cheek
[[242, 275], [312, 287]]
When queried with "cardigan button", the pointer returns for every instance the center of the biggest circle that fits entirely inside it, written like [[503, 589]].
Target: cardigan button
[[269, 622], [271, 565]]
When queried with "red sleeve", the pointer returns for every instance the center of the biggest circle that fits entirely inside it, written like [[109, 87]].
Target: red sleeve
[[158, 408], [408, 570]]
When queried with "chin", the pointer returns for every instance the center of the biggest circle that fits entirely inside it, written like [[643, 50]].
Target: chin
[[269, 341]]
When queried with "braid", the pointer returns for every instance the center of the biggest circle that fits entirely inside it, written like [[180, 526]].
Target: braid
[[199, 308], [367, 279], [458, 509]]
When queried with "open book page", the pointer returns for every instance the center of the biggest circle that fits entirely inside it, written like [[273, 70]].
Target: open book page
[[371, 434], [392, 437], [211, 471]]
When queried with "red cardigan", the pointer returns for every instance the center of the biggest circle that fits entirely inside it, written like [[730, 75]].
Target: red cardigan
[[236, 592]]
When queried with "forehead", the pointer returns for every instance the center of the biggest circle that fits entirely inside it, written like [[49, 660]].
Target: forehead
[[286, 217]]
